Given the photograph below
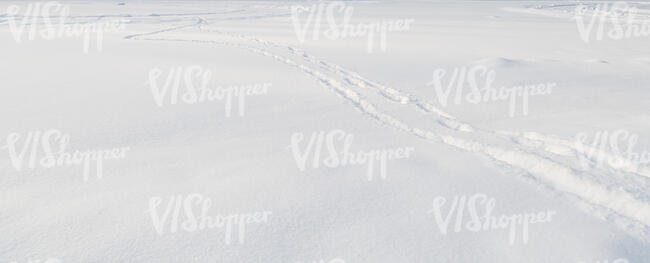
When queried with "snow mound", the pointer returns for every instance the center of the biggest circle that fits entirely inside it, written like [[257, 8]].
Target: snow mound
[[500, 62]]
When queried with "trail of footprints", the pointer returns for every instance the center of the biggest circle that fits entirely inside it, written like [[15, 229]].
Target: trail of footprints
[[537, 154]]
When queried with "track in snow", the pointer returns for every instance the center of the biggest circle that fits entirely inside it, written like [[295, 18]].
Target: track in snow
[[552, 161]]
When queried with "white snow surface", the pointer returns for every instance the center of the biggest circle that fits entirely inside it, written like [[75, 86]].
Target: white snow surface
[[245, 163]]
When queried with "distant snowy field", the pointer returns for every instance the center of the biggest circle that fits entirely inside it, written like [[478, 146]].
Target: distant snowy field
[[244, 131]]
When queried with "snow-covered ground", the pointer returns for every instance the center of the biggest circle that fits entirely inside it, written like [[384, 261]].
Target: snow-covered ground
[[241, 131]]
